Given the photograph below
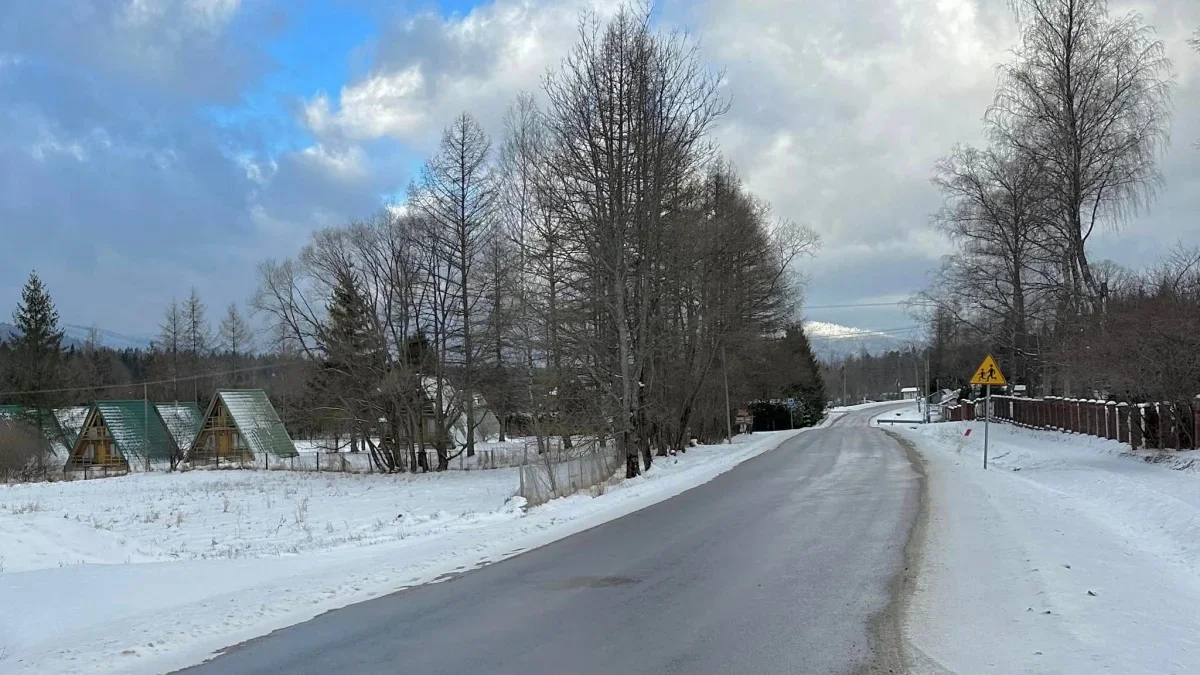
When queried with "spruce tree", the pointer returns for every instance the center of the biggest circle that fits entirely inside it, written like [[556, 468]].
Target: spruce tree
[[38, 343], [354, 358], [38, 353], [806, 383]]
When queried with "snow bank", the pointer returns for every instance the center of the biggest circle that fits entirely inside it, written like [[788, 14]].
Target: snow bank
[[152, 572], [1066, 556]]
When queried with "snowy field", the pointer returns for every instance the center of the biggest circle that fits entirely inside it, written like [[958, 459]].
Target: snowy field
[[1069, 555], [151, 572]]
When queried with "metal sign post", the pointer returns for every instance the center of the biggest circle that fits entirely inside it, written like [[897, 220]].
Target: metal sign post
[[987, 422]]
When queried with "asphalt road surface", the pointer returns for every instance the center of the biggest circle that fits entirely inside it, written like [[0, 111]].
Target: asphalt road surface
[[781, 565]]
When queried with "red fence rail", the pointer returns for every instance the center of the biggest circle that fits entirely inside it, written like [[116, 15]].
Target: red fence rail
[[1154, 426]]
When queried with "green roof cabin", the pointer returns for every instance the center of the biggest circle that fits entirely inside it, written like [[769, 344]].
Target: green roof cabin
[[241, 427], [119, 436], [60, 427]]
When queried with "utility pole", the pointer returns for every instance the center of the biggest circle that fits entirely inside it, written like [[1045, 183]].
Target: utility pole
[[916, 378], [928, 394], [844, 401], [146, 423], [728, 411]]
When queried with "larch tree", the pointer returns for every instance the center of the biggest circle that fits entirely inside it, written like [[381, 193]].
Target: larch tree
[[171, 342], [235, 334], [628, 115], [456, 193], [197, 338]]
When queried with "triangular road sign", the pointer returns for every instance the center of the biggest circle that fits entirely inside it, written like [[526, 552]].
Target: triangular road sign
[[989, 373]]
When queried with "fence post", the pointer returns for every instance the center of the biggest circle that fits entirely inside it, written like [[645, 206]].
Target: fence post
[[1110, 420], [1137, 428], [318, 453], [1151, 423], [1122, 413], [1196, 428], [1172, 428]]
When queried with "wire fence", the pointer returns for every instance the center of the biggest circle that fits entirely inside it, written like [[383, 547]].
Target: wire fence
[[551, 476]]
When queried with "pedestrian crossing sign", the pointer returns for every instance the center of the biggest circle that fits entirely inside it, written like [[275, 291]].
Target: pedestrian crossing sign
[[989, 373]]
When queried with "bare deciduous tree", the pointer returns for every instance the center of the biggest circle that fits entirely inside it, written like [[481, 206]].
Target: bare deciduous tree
[[457, 194], [629, 112], [235, 333], [1088, 98]]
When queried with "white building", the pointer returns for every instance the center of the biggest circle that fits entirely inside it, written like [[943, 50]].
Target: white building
[[910, 393]]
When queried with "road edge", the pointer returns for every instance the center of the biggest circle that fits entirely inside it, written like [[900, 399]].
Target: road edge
[[886, 627]]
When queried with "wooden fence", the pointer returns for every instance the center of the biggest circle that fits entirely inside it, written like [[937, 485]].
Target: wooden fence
[[1154, 426]]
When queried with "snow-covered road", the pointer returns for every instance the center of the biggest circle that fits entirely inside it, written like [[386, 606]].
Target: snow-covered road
[[1066, 556], [147, 573]]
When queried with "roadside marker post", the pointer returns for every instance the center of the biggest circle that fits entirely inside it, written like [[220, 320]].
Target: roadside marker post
[[986, 375]]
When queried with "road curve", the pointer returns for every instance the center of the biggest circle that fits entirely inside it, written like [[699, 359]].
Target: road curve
[[777, 566]]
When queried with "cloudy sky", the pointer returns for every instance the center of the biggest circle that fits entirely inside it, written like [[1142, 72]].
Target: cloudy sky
[[149, 146]]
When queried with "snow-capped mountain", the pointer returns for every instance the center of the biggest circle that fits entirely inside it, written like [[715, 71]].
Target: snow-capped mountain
[[108, 338], [831, 340], [76, 336]]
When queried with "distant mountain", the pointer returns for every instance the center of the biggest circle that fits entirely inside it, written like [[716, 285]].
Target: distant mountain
[[108, 338], [832, 341], [76, 336]]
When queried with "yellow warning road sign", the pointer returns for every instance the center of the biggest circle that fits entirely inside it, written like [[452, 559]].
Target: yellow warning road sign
[[989, 373]]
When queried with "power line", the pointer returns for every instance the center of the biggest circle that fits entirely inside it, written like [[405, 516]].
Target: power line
[[149, 383], [870, 304]]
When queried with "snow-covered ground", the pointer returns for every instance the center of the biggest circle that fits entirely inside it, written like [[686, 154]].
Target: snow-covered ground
[[151, 572], [1068, 555]]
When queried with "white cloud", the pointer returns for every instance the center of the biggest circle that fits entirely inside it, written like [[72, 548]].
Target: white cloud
[[839, 110], [347, 165], [385, 104], [209, 16], [428, 68]]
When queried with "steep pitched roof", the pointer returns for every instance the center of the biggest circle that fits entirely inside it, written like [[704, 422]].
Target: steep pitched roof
[[183, 421], [71, 421], [50, 426], [137, 429], [257, 421]]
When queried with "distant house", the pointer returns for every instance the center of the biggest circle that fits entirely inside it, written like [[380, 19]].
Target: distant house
[[910, 393], [486, 426], [121, 436], [240, 427]]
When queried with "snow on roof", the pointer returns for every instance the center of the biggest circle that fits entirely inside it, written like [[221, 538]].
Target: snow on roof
[[136, 429], [183, 420], [258, 422], [71, 421], [909, 390]]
